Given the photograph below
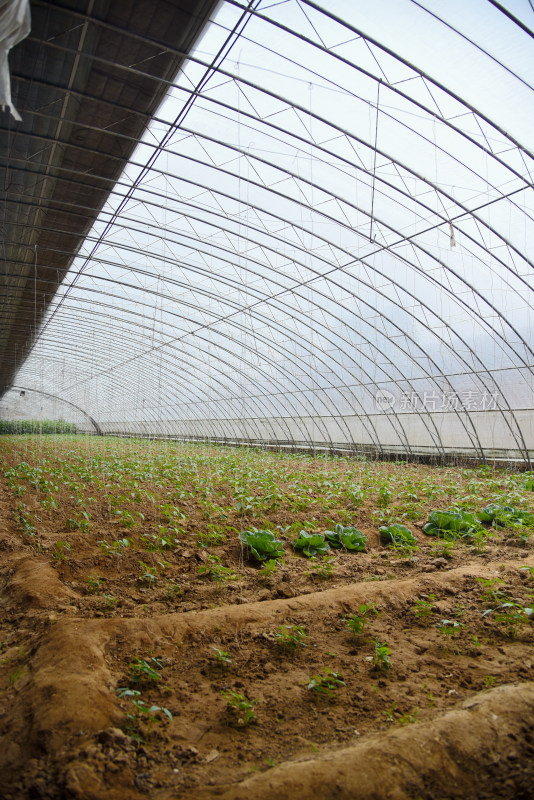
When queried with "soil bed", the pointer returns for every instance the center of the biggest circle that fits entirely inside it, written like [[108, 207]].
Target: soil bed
[[143, 654]]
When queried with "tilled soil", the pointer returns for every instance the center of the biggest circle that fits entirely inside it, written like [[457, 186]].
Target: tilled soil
[[450, 716]]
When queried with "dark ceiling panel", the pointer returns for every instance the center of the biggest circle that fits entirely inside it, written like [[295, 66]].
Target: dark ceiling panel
[[83, 110]]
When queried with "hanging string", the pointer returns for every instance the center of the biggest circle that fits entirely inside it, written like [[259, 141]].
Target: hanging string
[[374, 161]]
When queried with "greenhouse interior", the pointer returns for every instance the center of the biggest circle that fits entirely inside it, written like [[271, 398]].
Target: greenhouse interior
[[267, 400]]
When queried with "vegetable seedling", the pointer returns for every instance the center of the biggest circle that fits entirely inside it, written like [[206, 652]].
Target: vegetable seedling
[[346, 536], [381, 659], [261, 544], [239, 707], [142, 671], [222, 657], [422, 608], [311, 544], [357, 621], [325, 685], [449, 627], [290, 636]]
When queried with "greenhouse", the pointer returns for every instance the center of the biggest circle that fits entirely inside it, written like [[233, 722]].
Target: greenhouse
[[266, 399]]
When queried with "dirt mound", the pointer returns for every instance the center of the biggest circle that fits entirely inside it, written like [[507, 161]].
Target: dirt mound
[[483, 749], [35, 584]]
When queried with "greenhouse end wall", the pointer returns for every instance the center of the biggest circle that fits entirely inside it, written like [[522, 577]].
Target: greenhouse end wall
[[406, 434]]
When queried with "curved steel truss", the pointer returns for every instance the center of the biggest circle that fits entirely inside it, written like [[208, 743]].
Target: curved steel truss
[[324, 235]]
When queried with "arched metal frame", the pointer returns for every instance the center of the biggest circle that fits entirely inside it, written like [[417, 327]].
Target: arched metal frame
[[274, 344]]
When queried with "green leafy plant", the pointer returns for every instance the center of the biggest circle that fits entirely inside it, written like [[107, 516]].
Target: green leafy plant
[[239, 707], [311, 544], [506, 516], [290, 636], [397, 535], [94, 582], [61, 551], [142, 670], [322, 569], [449, 627], [214, 569], [423, 608], [357, 621], [142, 712], [326, 684], [222, 657], [270, 567], [381, 659], [346, 536], [261, 544], [452, 524]]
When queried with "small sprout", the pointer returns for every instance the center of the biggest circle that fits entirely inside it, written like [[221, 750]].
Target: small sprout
[[149, 575], [239, 707], [142, 711], [357, 621], [384, 496], [13, 678], [94, 582], [323, 569], [60, 551], [406, 719], [143, 671], [270, 566], [214, 569], [511, 615], [492, 594], [422, 608], [173, 590], [111, 601], [222, 657], [381, 658], [291, 636], [449, 627], [325, 685]]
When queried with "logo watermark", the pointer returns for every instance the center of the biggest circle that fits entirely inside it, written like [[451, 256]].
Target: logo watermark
[[473, 400]]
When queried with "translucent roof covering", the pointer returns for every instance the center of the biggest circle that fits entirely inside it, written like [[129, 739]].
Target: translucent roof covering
[[325, 236]]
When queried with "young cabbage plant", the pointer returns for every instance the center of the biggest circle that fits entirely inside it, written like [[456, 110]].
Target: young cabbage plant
[[311, 544], [346, 536], [261, 544]]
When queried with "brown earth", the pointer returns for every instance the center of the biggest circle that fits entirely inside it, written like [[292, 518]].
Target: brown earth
[[451, 718]]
